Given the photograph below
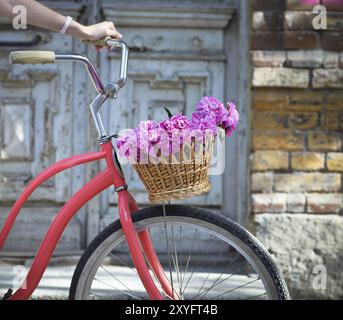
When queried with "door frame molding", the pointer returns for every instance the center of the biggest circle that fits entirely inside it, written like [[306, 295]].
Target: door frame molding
[[236, 187]]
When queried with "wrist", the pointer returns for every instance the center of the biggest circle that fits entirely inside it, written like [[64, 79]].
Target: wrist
[[78, 30]]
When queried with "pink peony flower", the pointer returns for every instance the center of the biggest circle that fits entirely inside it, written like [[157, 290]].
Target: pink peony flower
[[127, 144], [167, 125], [146, 125], [203, 120], [210, 105], [180, 121], [152, 140], [231, 122]]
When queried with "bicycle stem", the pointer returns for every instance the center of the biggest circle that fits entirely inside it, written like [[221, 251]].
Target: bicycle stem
[[95, 106]]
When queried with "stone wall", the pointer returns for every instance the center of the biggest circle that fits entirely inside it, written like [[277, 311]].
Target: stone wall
[[296, 144]]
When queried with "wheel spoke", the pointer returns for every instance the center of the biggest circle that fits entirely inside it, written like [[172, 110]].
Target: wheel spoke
[[181, 257], [238, 287], [196, 265], [123, 262], [167, 243], [257, 296], [116, 289], [176, 262], [115, 278], [214, 285], [189, 257], [217, 282]]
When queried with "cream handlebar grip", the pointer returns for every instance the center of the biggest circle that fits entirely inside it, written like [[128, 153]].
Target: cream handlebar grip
[[31, 57], [100, 43]]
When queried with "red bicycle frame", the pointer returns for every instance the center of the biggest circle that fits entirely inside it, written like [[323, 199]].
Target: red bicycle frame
[[140, 244]]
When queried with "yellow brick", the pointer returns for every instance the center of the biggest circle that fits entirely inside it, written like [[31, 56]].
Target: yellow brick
[[307, 182], [271, 99], [277, 141], [303, 120], [268, 105], [269, 120], [268, 202], [334, 101], [321, 141], [269, 160], [324, 203], [333, 120], [270, 95], [305, 100], [335, 161], [262, 181], [284, 119], [306, 97], [307, 161], [287, 100], [304, 107]]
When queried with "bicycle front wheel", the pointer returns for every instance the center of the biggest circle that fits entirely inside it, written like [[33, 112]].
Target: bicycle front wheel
[[204, 255]]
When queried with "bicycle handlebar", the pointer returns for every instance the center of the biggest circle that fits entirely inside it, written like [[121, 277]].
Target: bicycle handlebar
[[31, 57], [108, 41], [124, 59], [100, 43], [42, 57], [110, 91]]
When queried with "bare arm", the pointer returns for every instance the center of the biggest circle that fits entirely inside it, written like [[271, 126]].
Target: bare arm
[[40, 16]]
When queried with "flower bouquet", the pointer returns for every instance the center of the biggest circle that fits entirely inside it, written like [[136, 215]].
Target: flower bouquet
[[172, 157]]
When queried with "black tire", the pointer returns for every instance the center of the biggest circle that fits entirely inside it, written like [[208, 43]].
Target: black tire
[[233, 228]]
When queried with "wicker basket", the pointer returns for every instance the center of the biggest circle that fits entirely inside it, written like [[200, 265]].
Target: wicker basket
[[181, 175]]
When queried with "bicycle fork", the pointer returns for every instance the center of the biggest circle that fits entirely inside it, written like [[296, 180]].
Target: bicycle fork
[[150, 254], [140, 244]]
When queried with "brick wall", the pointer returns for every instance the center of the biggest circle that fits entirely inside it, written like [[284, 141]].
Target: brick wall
[[297, 111], [297, 124]]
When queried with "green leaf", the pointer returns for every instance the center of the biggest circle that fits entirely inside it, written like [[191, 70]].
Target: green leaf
[[168, 112]]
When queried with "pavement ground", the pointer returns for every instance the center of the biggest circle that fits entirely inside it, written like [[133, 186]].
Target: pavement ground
[[57, 278]]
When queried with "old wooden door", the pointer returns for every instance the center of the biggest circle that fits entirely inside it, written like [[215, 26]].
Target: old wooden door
[[179, 51], [40, 123]]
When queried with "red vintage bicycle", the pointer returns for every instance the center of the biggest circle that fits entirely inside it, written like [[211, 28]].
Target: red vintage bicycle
[[160, 252]]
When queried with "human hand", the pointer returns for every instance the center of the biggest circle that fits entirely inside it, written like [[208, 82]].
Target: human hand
[[99, 31]]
